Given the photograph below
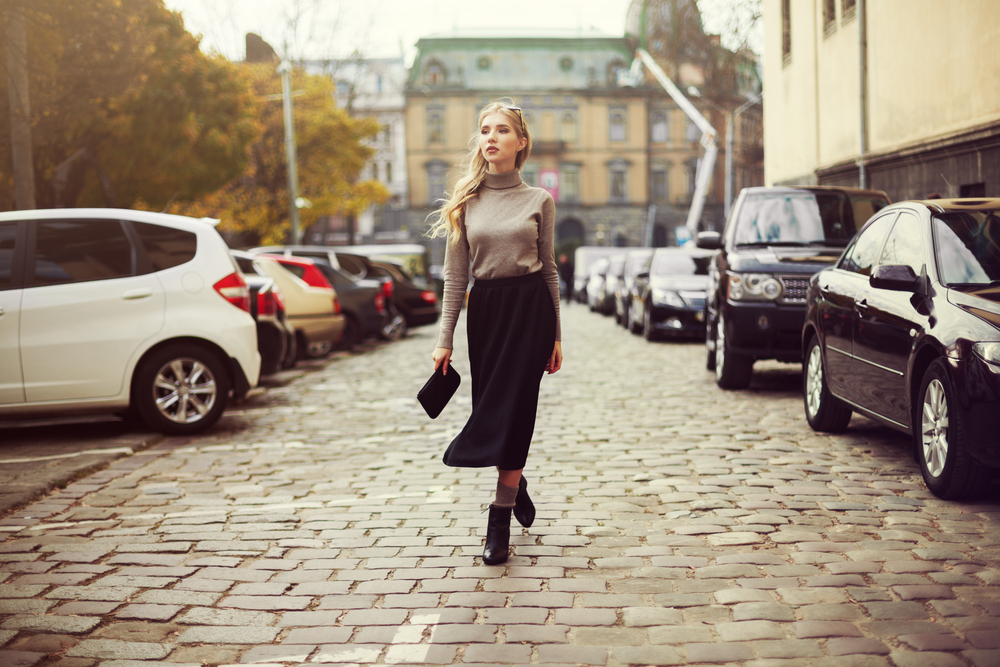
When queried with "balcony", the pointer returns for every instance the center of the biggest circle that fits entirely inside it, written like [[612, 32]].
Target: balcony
[[548, 147]]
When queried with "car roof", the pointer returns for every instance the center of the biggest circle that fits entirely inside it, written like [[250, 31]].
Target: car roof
[[762, 189], [959, 205], [168, 219]]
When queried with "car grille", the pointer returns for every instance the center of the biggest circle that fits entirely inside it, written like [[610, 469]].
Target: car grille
[[694, 300], [795, 289]]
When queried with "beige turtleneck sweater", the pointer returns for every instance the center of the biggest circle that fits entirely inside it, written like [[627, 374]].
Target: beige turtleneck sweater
[[509, 229]]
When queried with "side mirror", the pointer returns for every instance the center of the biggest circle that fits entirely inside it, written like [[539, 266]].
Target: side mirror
[[642, 276], [895, 277], [709, 240]]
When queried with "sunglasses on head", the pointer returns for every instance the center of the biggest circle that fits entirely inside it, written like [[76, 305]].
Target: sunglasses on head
[[519, 115]]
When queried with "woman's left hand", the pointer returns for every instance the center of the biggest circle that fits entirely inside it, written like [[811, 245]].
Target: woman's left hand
[[555, 361]]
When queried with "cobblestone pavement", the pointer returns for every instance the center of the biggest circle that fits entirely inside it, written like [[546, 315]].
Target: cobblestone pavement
[[677, 524]]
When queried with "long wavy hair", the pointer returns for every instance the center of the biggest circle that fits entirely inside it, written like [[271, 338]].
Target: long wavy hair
[[450, 220]]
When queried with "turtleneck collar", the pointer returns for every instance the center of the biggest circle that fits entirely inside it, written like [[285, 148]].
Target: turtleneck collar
[[505, 181]]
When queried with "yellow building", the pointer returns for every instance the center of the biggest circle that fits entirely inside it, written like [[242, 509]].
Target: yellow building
[[619, 161], [911, 97]]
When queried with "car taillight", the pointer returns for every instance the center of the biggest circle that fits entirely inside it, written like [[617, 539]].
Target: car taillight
[[387, 289], [336, 306], [233, 289], [429, 296], [267, 304], [380, 303], [279, 300]]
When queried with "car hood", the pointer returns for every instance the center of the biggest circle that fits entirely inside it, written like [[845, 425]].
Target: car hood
[[680, 283], [984, 303], [782, 260]]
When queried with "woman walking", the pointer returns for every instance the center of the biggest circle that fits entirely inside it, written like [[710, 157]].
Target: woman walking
[[504, 229]]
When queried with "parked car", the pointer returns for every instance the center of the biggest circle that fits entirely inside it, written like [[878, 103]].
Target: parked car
[[668, 297], [275, 336], [313, 309], [583, 259], [110, 310], [596, 292], [413, 291], [635, 262], [905, 329], [776, 238], [612, 283]]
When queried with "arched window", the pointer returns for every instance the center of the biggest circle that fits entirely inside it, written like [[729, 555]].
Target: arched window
[[388, 172], [616, 123], [569, 230], [658, 192], [435, 125], [658, 127], [435, 74], [436, 174], [618, 181], [374, 171]]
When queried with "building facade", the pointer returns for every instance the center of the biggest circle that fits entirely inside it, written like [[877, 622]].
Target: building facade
[[374, 88], [913, 102], [619, 161]]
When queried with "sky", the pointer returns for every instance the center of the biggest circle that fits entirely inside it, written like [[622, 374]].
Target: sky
[[388, 28]]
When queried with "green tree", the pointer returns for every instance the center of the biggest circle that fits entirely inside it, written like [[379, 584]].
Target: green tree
[[254, 207], [125, 81]]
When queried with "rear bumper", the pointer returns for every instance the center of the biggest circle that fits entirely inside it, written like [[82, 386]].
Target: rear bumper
[[319, 329]]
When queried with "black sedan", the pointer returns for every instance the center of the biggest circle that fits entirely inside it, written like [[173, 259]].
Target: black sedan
[[905, 329], [668, 296]]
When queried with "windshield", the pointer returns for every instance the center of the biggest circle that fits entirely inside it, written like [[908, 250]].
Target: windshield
[[802, 218], [968, 247], [680, 263]]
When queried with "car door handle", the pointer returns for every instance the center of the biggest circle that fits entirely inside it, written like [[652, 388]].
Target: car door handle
[[137, 293], [861, 306]]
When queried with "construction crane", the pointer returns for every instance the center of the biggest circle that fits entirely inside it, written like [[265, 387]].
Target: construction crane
[[708, 134]]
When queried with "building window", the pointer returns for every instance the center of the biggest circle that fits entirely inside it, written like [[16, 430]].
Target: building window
[[388, 172], [786, 32], [829, 16], [435, 125], [374, 171], [568, 128], [618, 181], [613, 68], [436, 173], [387, 135], [617, 125], [693, 132], [378, 84], [343, 88], [529, 174], [435, 74], [569, 188], [658, 127], [847, 10], [658, 193], [529, 120]]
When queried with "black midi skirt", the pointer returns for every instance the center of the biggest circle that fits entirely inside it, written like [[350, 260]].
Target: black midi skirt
[[512, 330]]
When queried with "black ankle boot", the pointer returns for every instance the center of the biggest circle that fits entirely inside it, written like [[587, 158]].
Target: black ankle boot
[[524, 509], [497, 546]]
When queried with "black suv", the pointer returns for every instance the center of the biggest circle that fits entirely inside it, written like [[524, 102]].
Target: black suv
[[775, 239]]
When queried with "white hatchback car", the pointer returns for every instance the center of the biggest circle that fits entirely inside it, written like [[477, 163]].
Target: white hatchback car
[[110, 310]]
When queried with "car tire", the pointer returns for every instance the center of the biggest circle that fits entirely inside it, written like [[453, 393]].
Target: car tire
[[181, 389], [624, 318], [648, 332], [732, 371], [394, 329], [709, 338], [351, 335], [940, 438], [824, 411]]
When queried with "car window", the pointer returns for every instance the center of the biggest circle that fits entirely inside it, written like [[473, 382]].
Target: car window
[[336, 278], [968, 247], [166, 247], [8, 235], [803, 217], [296, 270], [73, 251], [352, 265], [245, 264], [905, 244], [861, 256]]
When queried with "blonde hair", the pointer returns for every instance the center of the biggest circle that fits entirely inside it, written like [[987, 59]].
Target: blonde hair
[[451, 217]]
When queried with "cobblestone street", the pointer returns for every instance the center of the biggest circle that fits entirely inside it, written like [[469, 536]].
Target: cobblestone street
[[677, 524]]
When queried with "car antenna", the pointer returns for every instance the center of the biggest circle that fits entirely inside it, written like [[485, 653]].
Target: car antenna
[[170, 203]]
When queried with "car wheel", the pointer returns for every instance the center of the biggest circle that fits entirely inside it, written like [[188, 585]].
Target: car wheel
[[709, 338], [180, 389], [351, 334], [942, 447], [824, 411], [625, 316], [647, 324], [732, 371], [394, 328], [634, 325]]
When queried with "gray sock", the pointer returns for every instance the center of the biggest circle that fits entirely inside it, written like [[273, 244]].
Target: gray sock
[[505, 495]]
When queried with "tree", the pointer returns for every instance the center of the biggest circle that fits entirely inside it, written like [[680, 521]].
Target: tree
[[254, 207], [125, 81]]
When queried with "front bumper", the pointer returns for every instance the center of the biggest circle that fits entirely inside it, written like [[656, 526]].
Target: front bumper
[[765, 330], [673, 321]]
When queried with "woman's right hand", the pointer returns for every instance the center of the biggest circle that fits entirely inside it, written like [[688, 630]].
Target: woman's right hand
[[441, 355]]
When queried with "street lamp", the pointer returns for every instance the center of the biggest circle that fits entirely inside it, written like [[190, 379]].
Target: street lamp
[[285, 70]]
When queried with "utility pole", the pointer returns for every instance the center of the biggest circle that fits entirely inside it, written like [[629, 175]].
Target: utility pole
[[20, 109], [285, 69]]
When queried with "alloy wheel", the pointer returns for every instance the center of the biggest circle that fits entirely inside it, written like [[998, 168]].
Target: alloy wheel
[[814, 381], [185, 390], [934, 428], [720, 348]]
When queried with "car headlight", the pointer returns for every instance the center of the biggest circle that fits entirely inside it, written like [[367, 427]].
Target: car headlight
[[989, 352], [753, 287], [667, 298]]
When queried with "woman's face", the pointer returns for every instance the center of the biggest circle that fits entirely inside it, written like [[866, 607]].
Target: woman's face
[[499, 143]]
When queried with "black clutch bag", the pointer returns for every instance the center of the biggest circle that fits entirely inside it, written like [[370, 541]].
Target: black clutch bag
[[438, 390]]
